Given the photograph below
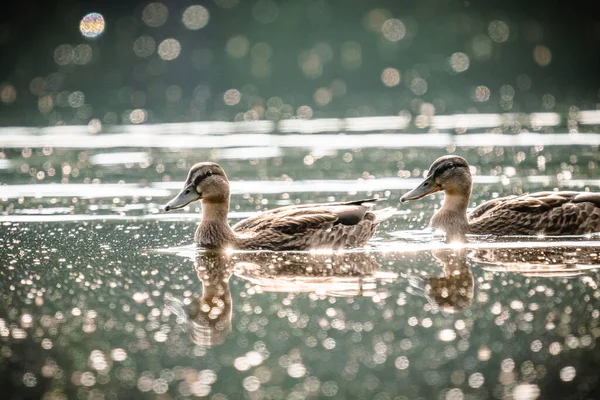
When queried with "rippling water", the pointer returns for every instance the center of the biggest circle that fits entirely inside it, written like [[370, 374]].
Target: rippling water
[[102, 294]]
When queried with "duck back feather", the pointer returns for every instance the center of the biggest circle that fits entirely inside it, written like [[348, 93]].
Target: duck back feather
[[329, 225], [549, 213]]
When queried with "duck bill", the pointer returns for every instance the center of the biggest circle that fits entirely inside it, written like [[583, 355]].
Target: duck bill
[[427, 187], [187, 195]]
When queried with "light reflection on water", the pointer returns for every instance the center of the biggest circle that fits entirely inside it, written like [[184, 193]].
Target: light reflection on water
[[112, 296], [159, 136], [459, 122], [160, 189]]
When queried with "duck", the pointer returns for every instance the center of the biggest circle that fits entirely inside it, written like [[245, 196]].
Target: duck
[[541, 213], [297, 227]]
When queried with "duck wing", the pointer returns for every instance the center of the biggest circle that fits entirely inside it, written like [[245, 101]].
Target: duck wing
[[344, 209], [333, 225], [551, 213]]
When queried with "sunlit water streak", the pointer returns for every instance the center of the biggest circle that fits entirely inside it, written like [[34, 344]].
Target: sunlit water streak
[[359, 124], [165, 189], [406, 247], [150, 139], [40, 217]]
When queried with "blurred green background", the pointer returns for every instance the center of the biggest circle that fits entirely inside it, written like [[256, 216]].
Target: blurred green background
[[231, 60]]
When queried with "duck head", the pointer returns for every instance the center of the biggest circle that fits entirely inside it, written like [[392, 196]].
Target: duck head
[[450, 174], [207, 182]]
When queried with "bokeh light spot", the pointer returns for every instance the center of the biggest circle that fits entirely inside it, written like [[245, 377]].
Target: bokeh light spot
[[393, 30], [427, 109], [138, 116], [548, 101], [37, 86], [265, 11], [311, 64], [296, 370], [169, 49], [232, 97], [144, 46], [459, 62], [402, 362], [542, 55], [82, 54], [76, 99], [92, 25], [29, 379], [447, 335], [390, 77], [304, 112], [323, 96], [498, 31], [507, 92], [418, 86], [195, 17], [481, 93], [567, 374], [63, 54], [526, 392], [237, 46], [155, 14], [8, 94], [476, 380], [94, 126], [261, 51], [118, 354]]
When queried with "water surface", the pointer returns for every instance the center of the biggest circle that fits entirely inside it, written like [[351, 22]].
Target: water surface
[[104, 296]]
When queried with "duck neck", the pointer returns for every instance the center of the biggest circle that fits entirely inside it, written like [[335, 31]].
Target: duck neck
[[215, 212], [214, 230], [452, 217], [456, 203]]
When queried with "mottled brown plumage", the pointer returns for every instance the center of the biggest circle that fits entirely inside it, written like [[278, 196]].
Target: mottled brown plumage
[[299, 227], [547, 213]]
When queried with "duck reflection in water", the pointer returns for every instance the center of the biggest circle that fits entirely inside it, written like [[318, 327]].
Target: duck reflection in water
[[560, 261], [209, 316], [453, 291], [326, 274]]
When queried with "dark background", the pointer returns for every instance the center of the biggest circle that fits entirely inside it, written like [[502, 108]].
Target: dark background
[[116, 81]]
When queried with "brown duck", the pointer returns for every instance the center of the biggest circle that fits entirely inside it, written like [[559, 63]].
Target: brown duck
[[548, 213], [298, 227]]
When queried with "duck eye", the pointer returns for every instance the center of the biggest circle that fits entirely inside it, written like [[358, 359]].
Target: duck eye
[[209, 173], [451, 165]]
